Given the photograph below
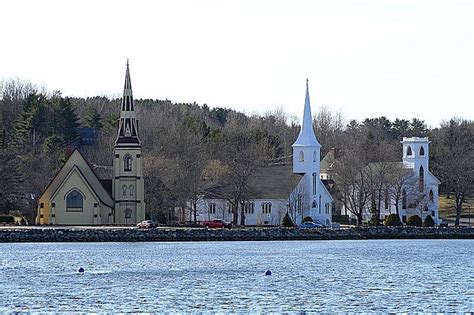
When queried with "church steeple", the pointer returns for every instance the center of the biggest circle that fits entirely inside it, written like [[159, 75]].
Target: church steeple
[[128, 126], [307, 136]]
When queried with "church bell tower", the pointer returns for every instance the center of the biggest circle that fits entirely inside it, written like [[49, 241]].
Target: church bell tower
[[128, 185]]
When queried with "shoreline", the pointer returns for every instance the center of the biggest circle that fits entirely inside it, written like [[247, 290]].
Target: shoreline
[[129, 234]]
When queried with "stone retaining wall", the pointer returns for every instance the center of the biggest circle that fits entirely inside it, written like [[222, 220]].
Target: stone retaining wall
[[255, 234]]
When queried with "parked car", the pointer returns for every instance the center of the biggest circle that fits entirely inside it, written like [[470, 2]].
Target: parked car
[[310, 225], [147, 224], [217, 223]]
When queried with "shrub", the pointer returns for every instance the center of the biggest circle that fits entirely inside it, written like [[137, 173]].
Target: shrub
[[287, 222], [374, 221], [429, 222], [340, 218], [7, 219], [307, 219], [414, 220], [392, 220]]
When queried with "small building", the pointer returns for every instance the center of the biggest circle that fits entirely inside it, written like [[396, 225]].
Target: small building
[[77, 196]]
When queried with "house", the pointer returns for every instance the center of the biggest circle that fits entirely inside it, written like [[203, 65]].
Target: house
[[77, 196], [296, 189]]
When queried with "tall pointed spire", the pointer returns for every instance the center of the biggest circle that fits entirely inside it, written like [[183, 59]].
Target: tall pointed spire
[[307, 136], [128, 126]]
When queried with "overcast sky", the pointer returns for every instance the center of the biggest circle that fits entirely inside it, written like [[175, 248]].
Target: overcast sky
[[365, 58]]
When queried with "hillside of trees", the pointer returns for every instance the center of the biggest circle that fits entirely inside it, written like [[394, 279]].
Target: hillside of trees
[[188, 147]]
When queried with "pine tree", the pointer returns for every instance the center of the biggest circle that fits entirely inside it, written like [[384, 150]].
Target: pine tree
[[287, 222], [92, 118], [11, 195]]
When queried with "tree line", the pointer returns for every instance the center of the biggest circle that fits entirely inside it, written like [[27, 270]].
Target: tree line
[[189, 149]]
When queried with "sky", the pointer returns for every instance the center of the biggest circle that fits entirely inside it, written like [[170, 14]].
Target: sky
[[399, 59]]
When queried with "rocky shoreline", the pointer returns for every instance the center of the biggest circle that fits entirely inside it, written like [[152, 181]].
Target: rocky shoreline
[[69, 234]]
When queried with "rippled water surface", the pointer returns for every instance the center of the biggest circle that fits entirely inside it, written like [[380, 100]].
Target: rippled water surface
[[319, 276]]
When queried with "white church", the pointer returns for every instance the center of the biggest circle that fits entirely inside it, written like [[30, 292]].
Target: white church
[[418, 189], [296, 189]]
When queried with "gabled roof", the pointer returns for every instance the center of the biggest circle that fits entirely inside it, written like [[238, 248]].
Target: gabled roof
[[77, 160]]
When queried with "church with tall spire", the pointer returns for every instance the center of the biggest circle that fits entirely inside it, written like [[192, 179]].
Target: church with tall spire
[[313, 198], [77, 196]]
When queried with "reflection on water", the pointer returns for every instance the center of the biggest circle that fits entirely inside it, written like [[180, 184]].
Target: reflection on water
[[320, 276]]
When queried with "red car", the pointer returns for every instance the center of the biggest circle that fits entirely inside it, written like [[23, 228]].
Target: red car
[[217, 223]]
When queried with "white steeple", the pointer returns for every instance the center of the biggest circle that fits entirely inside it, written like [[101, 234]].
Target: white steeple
[[307, 136]]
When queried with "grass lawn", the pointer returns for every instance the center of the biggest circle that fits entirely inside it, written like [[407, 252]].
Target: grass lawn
[[447, 207]]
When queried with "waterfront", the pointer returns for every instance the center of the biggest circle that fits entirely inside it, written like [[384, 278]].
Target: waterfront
[[321, 276]]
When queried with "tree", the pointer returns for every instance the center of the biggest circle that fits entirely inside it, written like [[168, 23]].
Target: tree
[[287, 222], [454, 159], [92, 118]]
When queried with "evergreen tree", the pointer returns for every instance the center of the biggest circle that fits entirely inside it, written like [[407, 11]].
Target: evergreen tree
[[11, 195], [287, 222], [92, 118]]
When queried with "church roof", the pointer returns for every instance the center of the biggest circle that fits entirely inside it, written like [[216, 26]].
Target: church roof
[[270, 182], [77, 161], [306, 136]]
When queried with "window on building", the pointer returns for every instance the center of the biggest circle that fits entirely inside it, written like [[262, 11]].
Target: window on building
[[386, 200], [422, 151], [320, 199], [124, 190], [249, 207], [132, 190], [313, 205], [315, 178], [431, 195], [127, 163], [315, 156], [74, 201], [421, 183], [128, 213], [404, 199], [266, 207], [212, 208], [301, 156], [328, 207], [409, 152]]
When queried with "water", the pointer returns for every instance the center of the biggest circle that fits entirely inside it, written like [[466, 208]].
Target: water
[[319, 276]]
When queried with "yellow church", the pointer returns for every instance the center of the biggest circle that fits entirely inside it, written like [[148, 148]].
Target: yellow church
[[77, 196]]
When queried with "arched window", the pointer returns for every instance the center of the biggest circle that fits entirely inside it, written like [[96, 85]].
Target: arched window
[[409, 152], [422, 151], [315, 156], [431, 195], [320, 198], [421, 182], [132, 190], [249, 207], [74, 201], [124, 190], [315, 178], [404, 199], [267, 207], [212, 208], [301, 156], [127, 163], [313, 205]]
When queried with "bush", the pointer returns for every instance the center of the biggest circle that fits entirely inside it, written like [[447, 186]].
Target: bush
[[429, 222], [392, 220], [287, 222], [340, 218], [414, 220], [7, 219], [307, 219], [374, 221]]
